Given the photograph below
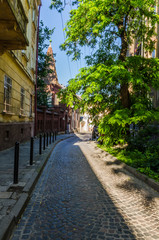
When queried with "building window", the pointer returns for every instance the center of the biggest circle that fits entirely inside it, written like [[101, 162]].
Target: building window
[[153, 53], [22, 100], [7, 135], [49, 100], [56, 100], [156, 105], [7, 94], [33, 18], [31, 105], [137, 48], [31, 59], [155, 9]]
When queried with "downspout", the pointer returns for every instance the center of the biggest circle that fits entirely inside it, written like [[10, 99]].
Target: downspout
[[35, 105]]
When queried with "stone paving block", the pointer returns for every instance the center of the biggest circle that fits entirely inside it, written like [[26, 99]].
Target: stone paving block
[[25, 173], [84, 193], [6, 195], [19, 184], [4, 188]]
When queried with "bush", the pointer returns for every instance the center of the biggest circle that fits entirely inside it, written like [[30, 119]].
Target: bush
[[147, 138], [147, 143], [142, 152]]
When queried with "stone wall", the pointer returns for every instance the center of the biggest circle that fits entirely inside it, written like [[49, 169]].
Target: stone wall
[[14, 132]]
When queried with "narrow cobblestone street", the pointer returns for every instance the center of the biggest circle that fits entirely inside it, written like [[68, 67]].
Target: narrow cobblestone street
[[84, 193]]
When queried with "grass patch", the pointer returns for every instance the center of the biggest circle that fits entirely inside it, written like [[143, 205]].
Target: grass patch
[[146, 162]]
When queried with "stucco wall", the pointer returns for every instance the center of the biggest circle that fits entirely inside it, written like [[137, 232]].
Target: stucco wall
[[19, 66]]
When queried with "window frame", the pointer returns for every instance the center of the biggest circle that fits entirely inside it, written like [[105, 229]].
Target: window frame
[[7, 93], [22, 100], [31, 105]]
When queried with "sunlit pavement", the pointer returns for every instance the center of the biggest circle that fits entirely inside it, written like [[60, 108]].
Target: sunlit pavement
[[84, 193]]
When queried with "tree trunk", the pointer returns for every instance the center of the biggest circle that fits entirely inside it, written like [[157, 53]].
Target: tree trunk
[[125, 96], [124, 88]]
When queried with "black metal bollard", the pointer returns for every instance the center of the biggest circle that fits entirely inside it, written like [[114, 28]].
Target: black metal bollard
[[16, 163], [55, 135], [40, 144], [31, 150], [44, 142], [47, 139], [50, 137]]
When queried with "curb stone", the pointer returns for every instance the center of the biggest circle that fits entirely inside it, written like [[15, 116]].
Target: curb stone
[[10, 221], [6, 226], [32, 182], [20, 206], [143, 177], [150, 182]]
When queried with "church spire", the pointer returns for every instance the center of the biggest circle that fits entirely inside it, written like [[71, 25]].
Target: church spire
[[52, 77], [50, 42], [50, 51]]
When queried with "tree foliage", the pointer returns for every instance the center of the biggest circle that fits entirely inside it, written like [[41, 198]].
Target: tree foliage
[[114, 88], [99, 87], [97, 20], [43, 64]]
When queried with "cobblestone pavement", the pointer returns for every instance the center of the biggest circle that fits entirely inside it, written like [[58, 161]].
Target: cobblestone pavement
[[84, 193], [7, 161], [10, 193]]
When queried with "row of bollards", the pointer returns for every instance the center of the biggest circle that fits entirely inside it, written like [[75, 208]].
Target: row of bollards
[[46, 141]]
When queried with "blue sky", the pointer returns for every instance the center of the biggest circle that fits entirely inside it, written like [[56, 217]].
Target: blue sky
[[51, 19]]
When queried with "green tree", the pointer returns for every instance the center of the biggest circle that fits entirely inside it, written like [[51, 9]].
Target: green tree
[[43, 64], [113, 83]]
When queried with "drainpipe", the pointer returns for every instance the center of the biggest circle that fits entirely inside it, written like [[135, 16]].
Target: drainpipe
[[35, 105]]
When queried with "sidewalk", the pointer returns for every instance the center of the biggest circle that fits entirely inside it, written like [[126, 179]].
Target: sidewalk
[[85, 193], [14, 197]]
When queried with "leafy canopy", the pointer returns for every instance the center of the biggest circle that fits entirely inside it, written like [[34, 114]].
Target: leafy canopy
[[96, 21], [43, 64], [114, 88]]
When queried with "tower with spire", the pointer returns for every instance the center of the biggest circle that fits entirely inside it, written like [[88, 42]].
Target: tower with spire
[[52, 76], [53, 85], [58, 116]]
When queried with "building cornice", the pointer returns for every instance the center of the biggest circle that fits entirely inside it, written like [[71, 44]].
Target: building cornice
[[21, 65]]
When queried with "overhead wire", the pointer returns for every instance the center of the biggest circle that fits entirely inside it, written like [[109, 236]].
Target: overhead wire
[[64, 40], [77, 65], [70, 4], [78, 62]]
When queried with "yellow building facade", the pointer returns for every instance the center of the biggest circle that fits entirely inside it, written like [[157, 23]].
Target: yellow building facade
[[18, 44], [138, 49]]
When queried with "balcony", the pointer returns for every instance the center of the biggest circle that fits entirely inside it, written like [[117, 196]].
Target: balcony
[[13, 23]]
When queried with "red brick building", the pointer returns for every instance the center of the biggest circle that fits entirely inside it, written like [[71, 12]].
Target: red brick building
[[57, 117]]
